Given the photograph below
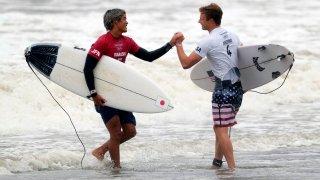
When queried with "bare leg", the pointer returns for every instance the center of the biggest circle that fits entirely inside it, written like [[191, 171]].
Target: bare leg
[[114, 128], [225, 145], [129, 131], [100, 151], [117, 137], [218, 152]]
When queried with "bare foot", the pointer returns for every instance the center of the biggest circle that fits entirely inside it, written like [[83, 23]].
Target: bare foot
[[98, 154]]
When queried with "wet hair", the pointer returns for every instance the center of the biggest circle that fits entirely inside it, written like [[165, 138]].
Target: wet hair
[[212, 11], [112, 15]]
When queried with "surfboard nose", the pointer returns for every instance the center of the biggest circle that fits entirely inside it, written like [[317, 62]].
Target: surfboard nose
[[43, 57], [164, 103]]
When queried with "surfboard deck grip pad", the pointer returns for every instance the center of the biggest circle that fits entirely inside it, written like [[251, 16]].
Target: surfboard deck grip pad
[[43, 57]]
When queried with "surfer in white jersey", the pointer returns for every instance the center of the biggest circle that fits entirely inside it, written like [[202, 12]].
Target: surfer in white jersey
[[220, 48]]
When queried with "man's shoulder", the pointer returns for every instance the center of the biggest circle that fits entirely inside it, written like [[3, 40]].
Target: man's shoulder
[[231, 32], [103, 37], [207, 40]]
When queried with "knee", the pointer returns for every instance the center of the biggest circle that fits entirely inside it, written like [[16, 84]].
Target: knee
[[221, 133], [131, 133]]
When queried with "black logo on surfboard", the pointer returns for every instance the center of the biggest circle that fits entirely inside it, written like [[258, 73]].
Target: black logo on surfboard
[[255, 62], [79, 48]]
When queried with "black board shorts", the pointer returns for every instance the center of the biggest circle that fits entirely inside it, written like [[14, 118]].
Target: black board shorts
[[108, 112]]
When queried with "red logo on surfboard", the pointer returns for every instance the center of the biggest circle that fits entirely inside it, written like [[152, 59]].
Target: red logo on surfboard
[[162, 102]]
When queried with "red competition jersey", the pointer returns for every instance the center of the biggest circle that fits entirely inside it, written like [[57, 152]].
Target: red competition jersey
[[117, 48]]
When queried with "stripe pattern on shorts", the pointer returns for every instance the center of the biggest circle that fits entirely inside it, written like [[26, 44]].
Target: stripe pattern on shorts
[[223, 115]]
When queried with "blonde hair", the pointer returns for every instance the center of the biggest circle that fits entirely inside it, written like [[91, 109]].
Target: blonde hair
[[212, 11]]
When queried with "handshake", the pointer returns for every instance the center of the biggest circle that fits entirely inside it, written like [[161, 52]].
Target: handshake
[[176, 39]]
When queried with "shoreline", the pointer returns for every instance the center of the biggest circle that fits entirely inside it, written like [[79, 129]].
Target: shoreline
[[282, 163]]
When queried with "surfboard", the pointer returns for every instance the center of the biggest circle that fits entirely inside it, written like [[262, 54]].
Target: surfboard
[[258, 65], [121, 85]]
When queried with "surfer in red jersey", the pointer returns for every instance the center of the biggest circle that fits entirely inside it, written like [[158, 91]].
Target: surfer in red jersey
[[120, 124]]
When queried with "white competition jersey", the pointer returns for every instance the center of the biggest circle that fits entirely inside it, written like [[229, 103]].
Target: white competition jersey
[[220, 47]]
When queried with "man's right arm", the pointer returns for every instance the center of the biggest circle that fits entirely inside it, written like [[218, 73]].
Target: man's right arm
[[90, 64], [185, 60]]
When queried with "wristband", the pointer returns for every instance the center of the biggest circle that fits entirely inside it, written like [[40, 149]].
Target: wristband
[[93, 93]]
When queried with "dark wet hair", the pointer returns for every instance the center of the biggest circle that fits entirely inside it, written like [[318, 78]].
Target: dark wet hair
[[212, 11], [112, 15]]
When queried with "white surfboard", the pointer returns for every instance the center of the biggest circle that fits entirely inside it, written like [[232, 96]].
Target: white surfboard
[[123, 87], [258, 65]]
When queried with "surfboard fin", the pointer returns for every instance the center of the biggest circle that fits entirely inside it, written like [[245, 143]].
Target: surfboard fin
[[275, 74]]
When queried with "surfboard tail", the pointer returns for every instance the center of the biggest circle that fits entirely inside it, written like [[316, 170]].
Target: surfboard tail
[[42, 57]]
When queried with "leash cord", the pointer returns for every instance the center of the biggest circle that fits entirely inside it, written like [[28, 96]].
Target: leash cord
[[275, 88], [75, 130]]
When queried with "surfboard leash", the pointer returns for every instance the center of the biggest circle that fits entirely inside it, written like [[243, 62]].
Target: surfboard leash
[[27, 55], [281, 83]]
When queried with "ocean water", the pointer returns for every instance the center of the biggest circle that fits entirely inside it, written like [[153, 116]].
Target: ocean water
[[277, 136]]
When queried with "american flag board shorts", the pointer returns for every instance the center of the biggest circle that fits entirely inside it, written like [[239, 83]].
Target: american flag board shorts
[[226, 101]]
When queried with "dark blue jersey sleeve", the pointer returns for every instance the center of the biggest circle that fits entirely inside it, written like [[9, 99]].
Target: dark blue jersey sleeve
[[90, 64]]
